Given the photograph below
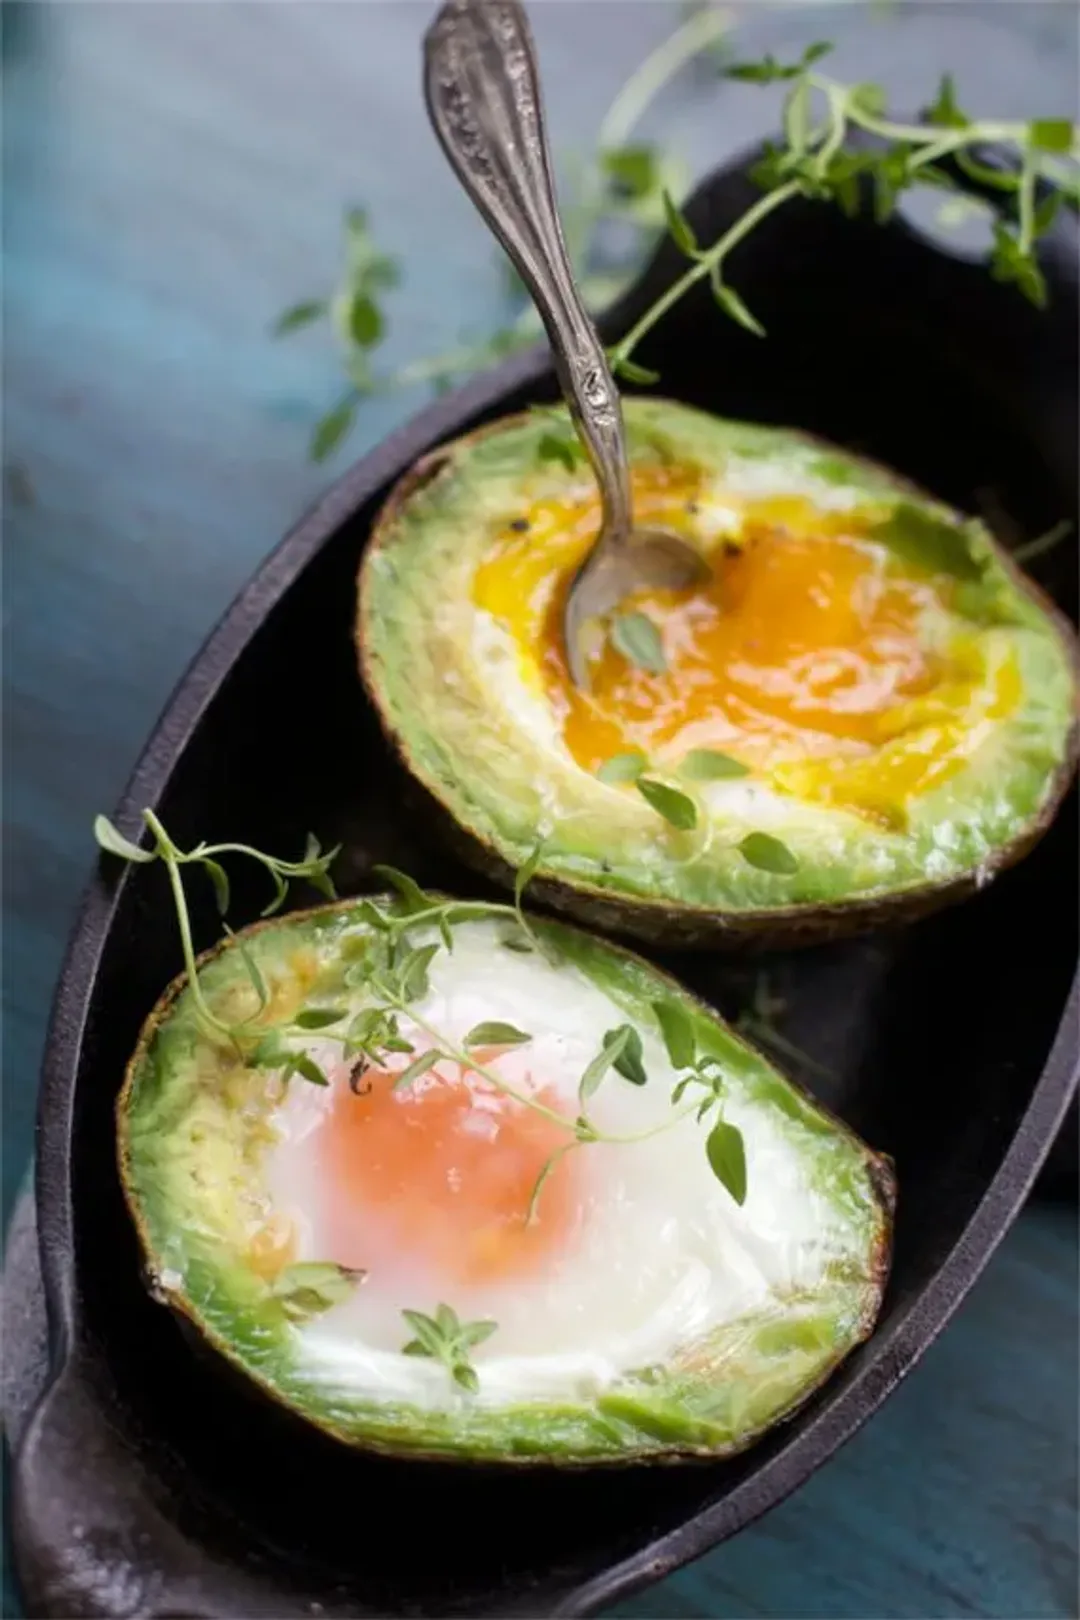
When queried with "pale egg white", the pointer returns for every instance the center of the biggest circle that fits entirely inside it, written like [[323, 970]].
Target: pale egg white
[[662, 1253]]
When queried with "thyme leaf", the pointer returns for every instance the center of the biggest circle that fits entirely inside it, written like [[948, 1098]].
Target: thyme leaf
[[312, 1286], [549, 1166], [823, 158], [496, 1034], [413, 897], [419, 1066], [667, 801], [320, 1017], [677, 1028], [768, 854], [637, 638], [710, 765], [726, 1153], [114, 842], [444, 1338], [622, 767]]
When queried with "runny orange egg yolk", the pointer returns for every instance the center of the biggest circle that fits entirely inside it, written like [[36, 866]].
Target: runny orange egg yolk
[[440, 1174], [801, 655]]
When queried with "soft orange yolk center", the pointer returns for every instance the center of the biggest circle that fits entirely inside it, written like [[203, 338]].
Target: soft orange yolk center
[[791, 636], [441, 1173], [803, 654]]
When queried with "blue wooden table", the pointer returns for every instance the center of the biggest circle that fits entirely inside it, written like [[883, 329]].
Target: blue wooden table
[[175, 174]]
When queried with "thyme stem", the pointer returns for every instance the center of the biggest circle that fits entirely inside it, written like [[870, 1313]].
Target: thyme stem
[[650, 77], [168, 853], [707, 262]]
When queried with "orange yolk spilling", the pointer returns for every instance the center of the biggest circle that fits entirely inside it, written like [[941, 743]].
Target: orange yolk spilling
[[802, 655], [441, 1174]]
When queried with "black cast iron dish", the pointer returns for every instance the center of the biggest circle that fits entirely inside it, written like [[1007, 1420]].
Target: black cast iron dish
[[146, 1484]]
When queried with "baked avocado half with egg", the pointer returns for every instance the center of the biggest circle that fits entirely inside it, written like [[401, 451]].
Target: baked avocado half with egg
[[864, 712], [450, 1186]]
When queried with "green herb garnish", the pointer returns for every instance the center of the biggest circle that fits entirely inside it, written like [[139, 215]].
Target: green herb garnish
[[559, 441], [390, 967], [631, 372], [622, 182], [622, 767], [824, 121], [726, 1153], [620, 1050], [419, 1066], [667, 801], [271, 1052], [825, 156], [768, 854], [320, 1017], [541, 1180], [628, 1061], [638, 639], [413, 898], [496, 1034], [932, 543], [314, 869], [710, 765], [590, 1080], [332, 428], [724, 1146], [300, 315], [677, 1028], [444, 1338], [309, 1287], [522, 878]]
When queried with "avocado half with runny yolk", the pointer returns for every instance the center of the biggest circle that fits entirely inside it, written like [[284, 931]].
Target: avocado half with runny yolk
[[866, 710], [504, 1253]]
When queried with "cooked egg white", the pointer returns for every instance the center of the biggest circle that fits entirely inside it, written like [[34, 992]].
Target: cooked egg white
[[635, 1248]]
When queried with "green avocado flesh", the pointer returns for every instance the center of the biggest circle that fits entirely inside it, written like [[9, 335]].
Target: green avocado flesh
[[642, 1312], [932, 794]]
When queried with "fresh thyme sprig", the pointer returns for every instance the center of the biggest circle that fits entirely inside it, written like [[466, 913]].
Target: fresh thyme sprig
[[390, 969], [313, 868], [356, 314], [621, 182], [638, 639], [724, 1145], [838, 142], [677, 808], [309, 1287], [681, 811], [445, 1338], [823, 122]]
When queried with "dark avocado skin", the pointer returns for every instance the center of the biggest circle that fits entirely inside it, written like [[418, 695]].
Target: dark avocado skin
[[683, 927], [879, 1166]]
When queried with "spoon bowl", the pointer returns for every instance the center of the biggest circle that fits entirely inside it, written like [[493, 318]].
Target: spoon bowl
[[613, 571], [482, 91]]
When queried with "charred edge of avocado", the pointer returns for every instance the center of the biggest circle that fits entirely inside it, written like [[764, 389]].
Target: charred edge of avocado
[[685, 927], [880, 1172]]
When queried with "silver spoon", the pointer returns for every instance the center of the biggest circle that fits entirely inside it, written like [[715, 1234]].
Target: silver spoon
[[482, 91]]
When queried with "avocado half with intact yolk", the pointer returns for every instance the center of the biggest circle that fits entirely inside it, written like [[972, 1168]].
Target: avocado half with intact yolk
[[866, 710], [397, 1193]]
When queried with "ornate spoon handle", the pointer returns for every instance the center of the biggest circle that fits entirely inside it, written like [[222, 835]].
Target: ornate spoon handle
[[483, 98]]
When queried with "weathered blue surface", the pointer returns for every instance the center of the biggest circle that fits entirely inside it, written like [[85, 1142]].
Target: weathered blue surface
[[174, 175]]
